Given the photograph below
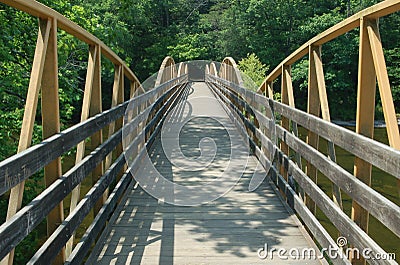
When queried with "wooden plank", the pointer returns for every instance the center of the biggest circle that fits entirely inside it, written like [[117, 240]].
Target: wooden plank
[[159, 115], [366, 204], [215, 259], [133, 89], [376, 153], [313, 225], [382, 9], [238, 115], [22, 165], [31, 106], [133, 124], [340, 220], [119, 122], [333, 171], [134, 216], [162, 74], [84, 246], [379, 206], [13, 231], [56, 241], [133, 208], [136, 143]]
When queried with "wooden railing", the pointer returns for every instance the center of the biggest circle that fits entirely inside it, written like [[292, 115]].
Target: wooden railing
[[104, 163], [249, 109], [372, 68], [299, 184], [144, 123]]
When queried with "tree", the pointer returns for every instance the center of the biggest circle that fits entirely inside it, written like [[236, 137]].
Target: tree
[[253, 68]]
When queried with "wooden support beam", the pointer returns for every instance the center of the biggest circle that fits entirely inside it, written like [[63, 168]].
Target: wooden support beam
[[120, 121], [96, 108], [25, 139], [111, 128], [384, 88], [270, 87], [323, 101], [313, 107], [269, 92], [288, 99], [80, 152], [384, 84], [51, 126], [289, 87], [364, 120], [133, 89]]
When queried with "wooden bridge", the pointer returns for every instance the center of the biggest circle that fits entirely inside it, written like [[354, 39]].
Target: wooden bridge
[[257, 200]]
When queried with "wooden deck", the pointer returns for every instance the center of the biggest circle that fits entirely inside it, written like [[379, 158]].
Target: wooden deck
[[229, 230]]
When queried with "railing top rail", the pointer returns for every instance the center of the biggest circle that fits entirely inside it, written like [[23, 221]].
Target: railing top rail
[[231, 62], [166, 63], [379, 10], [42, 11]]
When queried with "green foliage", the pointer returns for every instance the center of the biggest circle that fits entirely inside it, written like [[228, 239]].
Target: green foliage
[[189, 47], [252, 67], [393, 59]]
